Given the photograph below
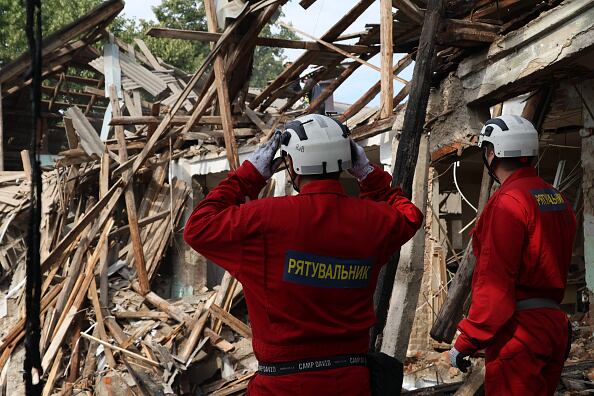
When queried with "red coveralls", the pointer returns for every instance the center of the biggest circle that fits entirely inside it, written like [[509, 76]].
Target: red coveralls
[[276, 248], [523, 245]]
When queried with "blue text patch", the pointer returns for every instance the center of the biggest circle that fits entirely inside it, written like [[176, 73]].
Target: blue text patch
[[323, 271], [549, 200]]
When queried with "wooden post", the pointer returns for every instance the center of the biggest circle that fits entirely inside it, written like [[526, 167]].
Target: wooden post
[[222, 91], [139, 260], [387, 51], [26, 159], [405, 294], [408, 147]]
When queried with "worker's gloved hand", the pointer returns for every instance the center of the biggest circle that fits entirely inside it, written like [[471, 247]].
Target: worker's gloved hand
[[459, 360], [263, 157], [361, 167]]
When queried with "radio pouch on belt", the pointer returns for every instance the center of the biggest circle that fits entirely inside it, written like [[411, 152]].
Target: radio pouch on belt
[[385, 373]]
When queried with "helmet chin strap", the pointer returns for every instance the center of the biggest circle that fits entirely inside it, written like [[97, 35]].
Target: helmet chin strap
[[490, 168], [291, 175]]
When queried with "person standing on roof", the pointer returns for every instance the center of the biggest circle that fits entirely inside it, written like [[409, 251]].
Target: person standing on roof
[[308, 263], [523, 246]]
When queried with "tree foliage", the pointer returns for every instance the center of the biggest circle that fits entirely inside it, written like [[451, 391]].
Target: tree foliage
[[178, 14], [55, 14]]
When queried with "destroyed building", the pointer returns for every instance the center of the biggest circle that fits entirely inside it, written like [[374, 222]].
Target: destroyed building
[[131, 145]]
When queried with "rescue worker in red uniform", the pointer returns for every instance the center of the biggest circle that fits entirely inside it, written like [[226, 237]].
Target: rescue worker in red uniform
[[308, 263], [523, 245]]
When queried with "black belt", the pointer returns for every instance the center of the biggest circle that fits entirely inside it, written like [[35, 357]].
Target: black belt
[[534, 303], [301, 366]]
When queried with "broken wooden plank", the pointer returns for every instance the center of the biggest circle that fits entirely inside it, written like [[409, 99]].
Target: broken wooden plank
[[222, 91], [387, 55], [260, 41], [75, 302], [340, 51], [149, 55], [218, 342], [164, 305], [141, 315], [231, 321], [267, 96], [473, 382], [26, 161], [139, 259], [122, 350], [255, 119], [100, 325], [177, 120], [336, 82], [53, 374], [187, 348], [103, 189]]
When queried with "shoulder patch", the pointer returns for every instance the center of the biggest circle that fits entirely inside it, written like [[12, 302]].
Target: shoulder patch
[[549, 200], [324, 271]]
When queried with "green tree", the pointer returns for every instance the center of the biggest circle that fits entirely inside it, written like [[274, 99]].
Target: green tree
[[55, 14], [179, 14]]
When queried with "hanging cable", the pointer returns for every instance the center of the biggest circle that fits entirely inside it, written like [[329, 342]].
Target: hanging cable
[[32, 365], [456, 165]]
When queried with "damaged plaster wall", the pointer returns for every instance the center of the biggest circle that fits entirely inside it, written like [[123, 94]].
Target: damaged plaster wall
[[453, 123], [525, 56], [587, 91]]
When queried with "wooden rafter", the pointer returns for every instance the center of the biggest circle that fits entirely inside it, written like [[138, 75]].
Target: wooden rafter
[[268, 95], [260, 41]]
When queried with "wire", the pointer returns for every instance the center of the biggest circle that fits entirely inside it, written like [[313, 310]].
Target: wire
[[318, 17], [456, 165], [32, 365]]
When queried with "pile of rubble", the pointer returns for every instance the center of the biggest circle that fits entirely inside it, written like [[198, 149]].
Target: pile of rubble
[[99, 252]]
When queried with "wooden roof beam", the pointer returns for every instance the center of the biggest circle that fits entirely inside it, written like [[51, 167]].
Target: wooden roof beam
[[410, 9], [387, 58], [462, 33], [260, 41], [557, 38]]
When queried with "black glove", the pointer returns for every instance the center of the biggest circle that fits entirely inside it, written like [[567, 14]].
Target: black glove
[[459, 360]]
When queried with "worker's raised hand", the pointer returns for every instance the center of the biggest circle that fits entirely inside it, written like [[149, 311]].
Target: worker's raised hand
[[262, 158], [361, 167], [459, 360]]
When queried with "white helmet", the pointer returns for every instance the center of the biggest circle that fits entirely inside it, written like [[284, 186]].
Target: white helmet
[[317, 145], [511, 136]]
